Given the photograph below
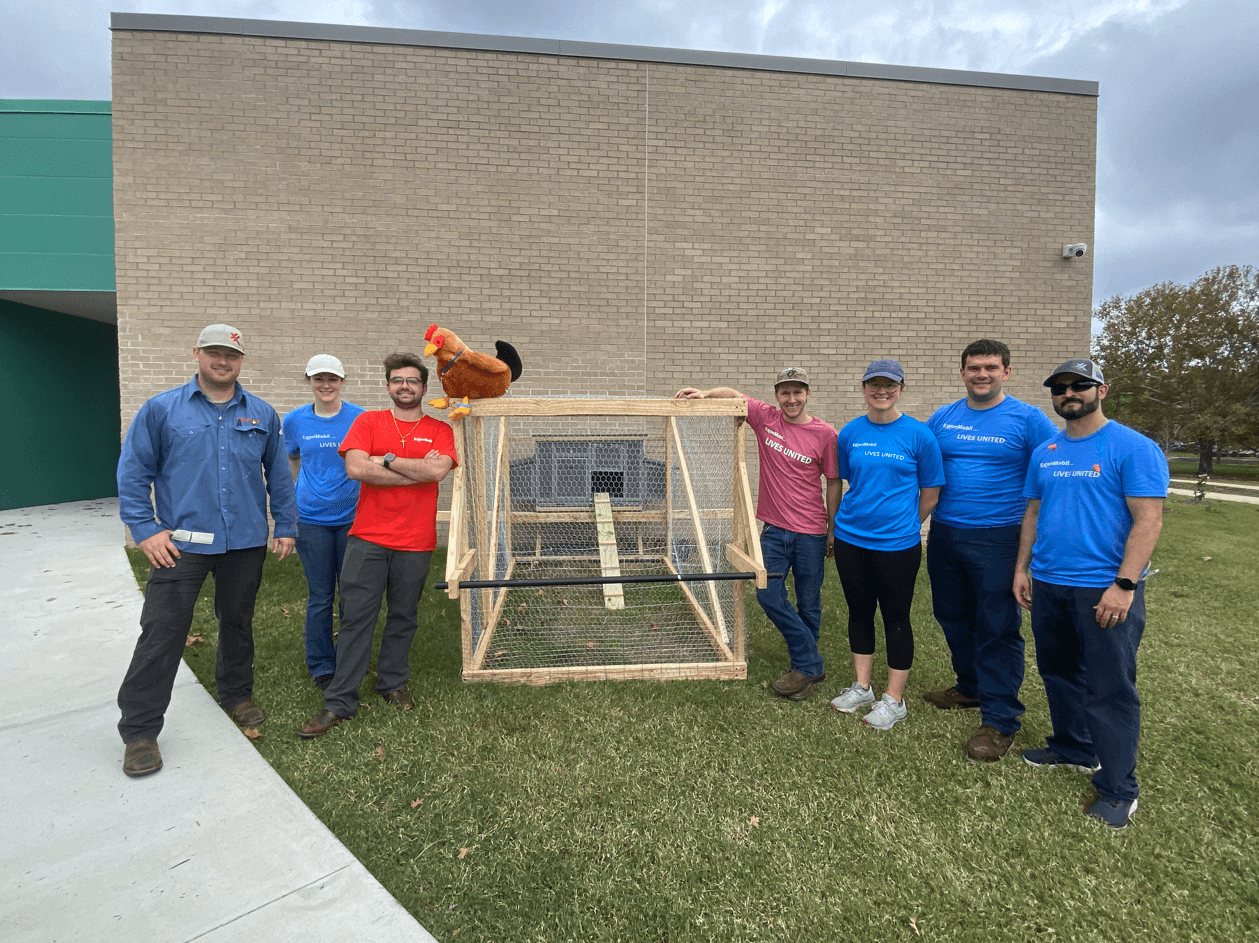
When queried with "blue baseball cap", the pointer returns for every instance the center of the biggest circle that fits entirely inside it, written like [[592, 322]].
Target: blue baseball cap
[[885, 368]]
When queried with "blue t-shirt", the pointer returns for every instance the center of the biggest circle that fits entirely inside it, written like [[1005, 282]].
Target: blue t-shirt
[[885, 466], [1084, 520], [324, 494], [986, 452]]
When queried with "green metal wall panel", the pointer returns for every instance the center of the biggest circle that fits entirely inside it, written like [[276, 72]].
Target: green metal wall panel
[[62, 415], [62, 235], [52, 196], [54, 157], [27, 125], [56, 196], [56, 271]]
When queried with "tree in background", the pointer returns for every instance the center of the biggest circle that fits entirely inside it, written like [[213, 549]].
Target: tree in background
[[1182, 361]]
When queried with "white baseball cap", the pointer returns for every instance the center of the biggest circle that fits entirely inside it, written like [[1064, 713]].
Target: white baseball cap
[[324, 363]]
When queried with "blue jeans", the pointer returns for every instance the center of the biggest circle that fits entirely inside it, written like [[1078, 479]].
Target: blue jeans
[[321, 549], [1090, 676], [972, 574], [784, 550]]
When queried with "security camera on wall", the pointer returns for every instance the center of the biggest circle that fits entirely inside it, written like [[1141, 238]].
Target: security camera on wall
[[1075, 250]]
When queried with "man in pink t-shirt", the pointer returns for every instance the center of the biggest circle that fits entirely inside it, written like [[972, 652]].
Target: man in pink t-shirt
[[796, 451]]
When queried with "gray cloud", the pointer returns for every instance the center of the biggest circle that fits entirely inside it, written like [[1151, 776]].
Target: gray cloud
[[1178, 137]]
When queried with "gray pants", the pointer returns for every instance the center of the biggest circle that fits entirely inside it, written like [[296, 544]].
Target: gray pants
[[370, 571]]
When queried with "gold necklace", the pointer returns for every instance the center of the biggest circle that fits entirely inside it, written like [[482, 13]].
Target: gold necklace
[[403, 438]]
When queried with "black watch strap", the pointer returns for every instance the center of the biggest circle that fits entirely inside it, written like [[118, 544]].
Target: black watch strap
[[1125, 584]]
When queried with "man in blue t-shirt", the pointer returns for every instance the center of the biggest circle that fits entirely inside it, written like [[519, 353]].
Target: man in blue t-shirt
[[1095, 509], [986, 439]]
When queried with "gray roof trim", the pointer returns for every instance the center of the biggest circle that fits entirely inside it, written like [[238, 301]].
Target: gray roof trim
[[277, 29]]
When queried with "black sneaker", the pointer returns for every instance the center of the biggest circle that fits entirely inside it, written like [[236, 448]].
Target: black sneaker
[[322, 682], [1049, 759]]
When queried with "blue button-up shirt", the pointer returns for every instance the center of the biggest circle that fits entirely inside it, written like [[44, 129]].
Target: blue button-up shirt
[[206, 463]]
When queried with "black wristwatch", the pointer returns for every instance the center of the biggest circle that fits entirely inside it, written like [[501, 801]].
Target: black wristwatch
[[389, 457], [1125, 584]]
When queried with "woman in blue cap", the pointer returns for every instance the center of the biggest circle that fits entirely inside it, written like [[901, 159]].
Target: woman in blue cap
[[894, 472], [326, 500]]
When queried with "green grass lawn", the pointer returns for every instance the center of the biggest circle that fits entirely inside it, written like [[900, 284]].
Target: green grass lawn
[[1244, 471], [641, 811]]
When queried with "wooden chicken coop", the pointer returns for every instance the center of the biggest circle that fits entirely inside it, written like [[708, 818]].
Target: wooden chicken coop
[[602, 539]]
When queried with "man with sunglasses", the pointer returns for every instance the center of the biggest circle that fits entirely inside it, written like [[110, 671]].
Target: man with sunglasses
[[398, 455], [986, 438], [1095, 509]]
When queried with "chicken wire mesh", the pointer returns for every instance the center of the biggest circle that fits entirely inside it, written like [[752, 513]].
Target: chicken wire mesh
[[562, 497]]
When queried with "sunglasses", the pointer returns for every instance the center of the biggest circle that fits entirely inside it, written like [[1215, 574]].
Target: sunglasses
[[1078, 386]]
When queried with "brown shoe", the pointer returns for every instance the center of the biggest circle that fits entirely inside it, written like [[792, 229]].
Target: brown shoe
[[247, 714], [796, 686], [141, 758], [400, 699], [988, 744], [951, 700], [318, 726]]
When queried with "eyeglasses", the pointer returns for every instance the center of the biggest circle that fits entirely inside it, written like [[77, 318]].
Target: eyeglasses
[[1078, 386], [409, 381]]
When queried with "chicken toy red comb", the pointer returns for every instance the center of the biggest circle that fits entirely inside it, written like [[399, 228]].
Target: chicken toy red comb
[[428, 336]]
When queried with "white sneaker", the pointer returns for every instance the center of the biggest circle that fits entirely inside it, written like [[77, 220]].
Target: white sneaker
[[886, 713], [853, 697]]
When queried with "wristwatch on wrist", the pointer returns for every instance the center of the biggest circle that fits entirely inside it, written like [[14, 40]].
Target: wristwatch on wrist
[[1125, 584], [389, 457]]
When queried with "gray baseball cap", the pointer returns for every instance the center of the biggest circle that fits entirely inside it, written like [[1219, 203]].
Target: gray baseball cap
[[885, 368], [324, 363], [1085, 368], [792, 375], [220, 335]]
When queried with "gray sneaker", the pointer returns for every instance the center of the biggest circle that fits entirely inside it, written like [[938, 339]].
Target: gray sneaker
[[853, 697], [885, 714]]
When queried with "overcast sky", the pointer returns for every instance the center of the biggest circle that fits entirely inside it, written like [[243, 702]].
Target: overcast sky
[[1178, 120]]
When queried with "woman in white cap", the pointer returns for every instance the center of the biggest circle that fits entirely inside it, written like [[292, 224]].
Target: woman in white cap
[[894, 471], [326, 500]]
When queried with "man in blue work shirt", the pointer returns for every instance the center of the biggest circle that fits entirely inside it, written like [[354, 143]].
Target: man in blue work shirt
[[1094, 512], [986, 438], [204, 448]]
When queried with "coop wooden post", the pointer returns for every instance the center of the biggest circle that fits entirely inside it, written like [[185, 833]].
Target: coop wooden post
[[480, 502], [704, 556], [742, 527], [454, 543], [668, 486]]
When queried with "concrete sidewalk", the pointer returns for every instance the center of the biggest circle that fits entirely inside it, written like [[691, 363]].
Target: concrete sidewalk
[[214, 847]]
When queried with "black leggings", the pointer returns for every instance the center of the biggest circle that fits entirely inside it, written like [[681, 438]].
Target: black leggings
[[882, 578]]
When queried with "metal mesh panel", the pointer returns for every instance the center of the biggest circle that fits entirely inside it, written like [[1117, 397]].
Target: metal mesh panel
[[556, 497]]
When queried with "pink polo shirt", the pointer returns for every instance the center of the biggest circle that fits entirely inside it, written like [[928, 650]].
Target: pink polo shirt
[[794, 459]]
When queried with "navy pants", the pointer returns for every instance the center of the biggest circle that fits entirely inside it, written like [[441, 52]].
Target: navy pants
[[784, 551], [972, 572], [1090, 676], [322, 550], [369, 572], [170, 596]]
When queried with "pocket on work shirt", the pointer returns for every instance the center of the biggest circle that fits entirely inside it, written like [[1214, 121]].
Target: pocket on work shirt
[[251, 440]]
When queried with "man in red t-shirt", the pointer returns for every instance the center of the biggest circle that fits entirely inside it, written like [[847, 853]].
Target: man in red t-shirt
[[797, 452], [399, 455]]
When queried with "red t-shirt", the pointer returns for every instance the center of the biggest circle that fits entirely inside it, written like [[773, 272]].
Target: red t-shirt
[[400, 517]]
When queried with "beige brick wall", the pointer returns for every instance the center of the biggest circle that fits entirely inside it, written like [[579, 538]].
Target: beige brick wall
[[630, 227]]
